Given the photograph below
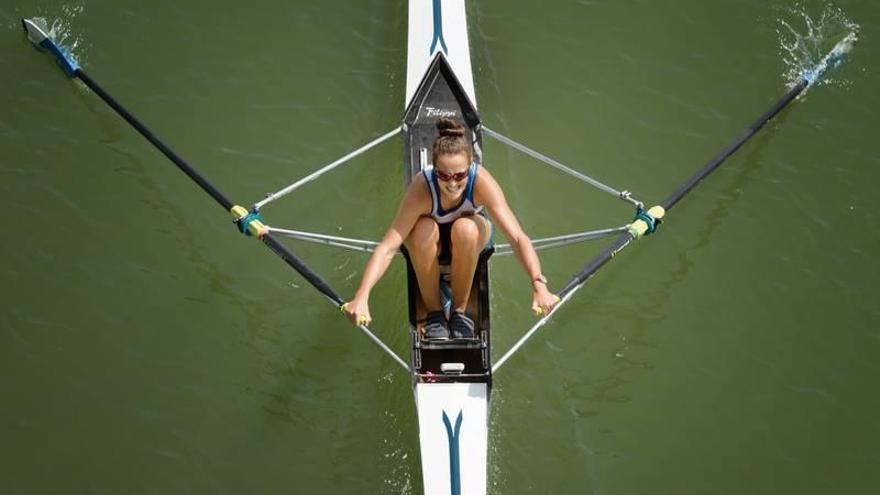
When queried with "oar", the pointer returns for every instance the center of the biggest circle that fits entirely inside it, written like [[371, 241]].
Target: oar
[[249, 223], [646, 221]]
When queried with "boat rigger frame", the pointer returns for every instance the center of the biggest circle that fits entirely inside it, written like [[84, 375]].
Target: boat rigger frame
[[251, 223]]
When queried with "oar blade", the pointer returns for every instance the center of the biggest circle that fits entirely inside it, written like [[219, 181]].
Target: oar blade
[[34, 31], [832, 59], [38, 34]]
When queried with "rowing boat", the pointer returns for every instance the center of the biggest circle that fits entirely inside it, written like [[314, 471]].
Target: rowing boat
[[451, 383]]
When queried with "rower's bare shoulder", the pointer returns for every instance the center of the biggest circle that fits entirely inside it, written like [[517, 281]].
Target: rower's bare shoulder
[[417, 194], [419, 177], [486, 188], [418, 186]]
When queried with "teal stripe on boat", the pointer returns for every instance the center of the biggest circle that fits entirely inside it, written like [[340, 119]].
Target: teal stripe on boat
[[454, 457], [438, 29]]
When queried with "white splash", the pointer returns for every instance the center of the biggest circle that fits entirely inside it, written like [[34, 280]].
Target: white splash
[[805, 42], [833, 58], [61, 29]]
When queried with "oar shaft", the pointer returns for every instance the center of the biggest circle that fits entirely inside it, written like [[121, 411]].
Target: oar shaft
[[624, 240], [319, 284], [297, 264], [282, 251], [598, 262], [747, 133], [152, 138]]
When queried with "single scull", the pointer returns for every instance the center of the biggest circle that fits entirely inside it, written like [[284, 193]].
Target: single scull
[[452, 383]]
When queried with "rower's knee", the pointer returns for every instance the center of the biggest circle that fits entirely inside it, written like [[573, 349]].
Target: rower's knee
[[425, 235], [465, 233]]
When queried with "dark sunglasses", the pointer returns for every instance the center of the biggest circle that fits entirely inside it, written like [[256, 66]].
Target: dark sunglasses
[[455, 177]]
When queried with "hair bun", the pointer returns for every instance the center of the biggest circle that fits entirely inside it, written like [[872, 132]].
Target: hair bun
[[450, 127]]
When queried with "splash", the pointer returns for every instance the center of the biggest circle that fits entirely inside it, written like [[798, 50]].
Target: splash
[[399, 480], [810, 43], [61, 29]]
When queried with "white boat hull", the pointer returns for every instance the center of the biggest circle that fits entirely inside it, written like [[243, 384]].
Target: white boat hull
[[453, 433], [448, 36], [452, 409]]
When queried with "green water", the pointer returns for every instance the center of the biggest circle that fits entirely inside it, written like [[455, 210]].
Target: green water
[[149, 348]]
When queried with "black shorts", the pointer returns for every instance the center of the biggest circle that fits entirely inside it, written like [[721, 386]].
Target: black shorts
[[445, 256]]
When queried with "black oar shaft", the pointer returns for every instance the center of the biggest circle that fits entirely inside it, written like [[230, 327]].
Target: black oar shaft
[[747, 133], [152, 138], [297, 264], [593, 266], [282, 251], [624, 240]]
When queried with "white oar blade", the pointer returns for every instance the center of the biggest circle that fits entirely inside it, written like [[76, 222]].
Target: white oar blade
[[38, 34], [833, 58], [35, 32]]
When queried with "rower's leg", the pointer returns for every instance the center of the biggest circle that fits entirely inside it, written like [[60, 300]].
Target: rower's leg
[[423, 245], [468, 238]]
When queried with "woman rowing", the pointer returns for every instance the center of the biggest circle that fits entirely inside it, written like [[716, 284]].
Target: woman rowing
[[442, 219]]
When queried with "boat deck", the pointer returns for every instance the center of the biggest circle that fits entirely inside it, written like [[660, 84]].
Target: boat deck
[[441, 95]]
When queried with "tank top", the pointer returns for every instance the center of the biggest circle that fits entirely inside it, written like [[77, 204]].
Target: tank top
[[464, 208]]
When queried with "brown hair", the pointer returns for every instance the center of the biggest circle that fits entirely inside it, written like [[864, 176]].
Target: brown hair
[[451, 139]]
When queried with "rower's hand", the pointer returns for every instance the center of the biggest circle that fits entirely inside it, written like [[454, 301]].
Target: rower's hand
[[358, 311], [543, 301]]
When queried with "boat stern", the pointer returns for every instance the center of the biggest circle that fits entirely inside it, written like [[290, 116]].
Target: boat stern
[[453, 434]]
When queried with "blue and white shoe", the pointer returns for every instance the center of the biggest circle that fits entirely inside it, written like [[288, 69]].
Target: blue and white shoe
[[436, 327], [461, 326]]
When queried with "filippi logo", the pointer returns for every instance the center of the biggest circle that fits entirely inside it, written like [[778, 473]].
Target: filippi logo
[[439, 112]]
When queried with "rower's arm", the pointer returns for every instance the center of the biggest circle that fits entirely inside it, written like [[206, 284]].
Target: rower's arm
[[411, 208], [489, 193]]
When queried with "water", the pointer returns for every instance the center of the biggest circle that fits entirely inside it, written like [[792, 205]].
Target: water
[[804, 39], [149, 348]]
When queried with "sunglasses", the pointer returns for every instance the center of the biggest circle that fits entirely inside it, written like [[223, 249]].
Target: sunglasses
[[452, 177]]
